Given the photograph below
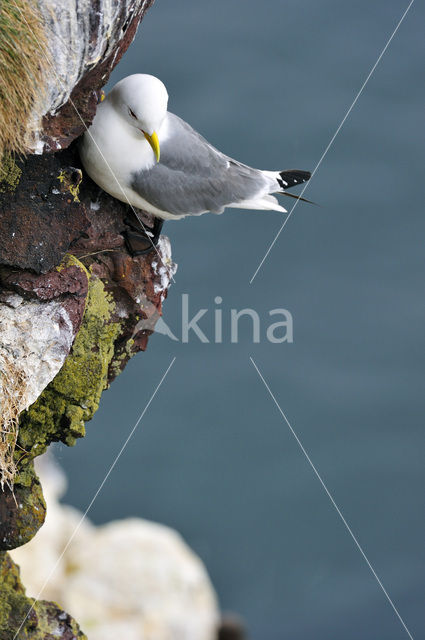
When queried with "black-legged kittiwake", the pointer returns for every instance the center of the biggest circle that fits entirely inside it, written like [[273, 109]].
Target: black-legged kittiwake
[[144, 155]]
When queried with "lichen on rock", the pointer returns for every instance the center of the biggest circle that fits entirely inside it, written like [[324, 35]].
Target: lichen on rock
[[10, 173], [70, 179]]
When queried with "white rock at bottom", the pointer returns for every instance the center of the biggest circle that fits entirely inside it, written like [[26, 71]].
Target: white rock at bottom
[[130, 579]]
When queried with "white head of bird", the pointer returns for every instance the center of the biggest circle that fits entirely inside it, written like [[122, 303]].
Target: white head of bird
[[141, 100]]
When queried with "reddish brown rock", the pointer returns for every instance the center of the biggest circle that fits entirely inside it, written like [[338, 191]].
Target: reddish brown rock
[[39, 219]]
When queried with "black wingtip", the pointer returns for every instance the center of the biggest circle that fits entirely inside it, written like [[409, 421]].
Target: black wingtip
[[292, 177]]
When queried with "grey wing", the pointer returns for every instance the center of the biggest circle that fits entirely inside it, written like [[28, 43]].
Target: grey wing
[[193, 177]]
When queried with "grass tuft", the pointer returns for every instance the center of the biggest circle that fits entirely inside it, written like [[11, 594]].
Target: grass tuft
[[12, 389], [24, 62]]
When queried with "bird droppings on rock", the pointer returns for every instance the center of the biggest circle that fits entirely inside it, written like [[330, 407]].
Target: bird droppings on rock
[[164, 267]]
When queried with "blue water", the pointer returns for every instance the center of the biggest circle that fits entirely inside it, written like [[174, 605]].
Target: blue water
[[269, 83]]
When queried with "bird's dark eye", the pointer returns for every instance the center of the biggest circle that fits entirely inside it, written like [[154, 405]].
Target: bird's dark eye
[[133, 115]]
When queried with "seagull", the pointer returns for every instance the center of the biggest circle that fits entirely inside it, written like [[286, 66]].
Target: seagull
[[145, 156]]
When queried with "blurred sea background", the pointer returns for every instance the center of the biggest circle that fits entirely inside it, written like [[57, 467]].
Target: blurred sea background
[[268, 83]]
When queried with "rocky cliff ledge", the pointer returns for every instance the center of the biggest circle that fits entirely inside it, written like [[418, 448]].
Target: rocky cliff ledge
[[74, 305]]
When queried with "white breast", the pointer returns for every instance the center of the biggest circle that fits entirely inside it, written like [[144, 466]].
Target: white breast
[[111, 151]]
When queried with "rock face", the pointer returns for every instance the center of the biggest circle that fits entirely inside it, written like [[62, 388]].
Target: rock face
[[131, 578], [74, 304], [37, 337], [86, 40]]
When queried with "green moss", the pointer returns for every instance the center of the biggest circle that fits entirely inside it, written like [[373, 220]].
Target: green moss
[[26, 475], [73, 396], [29, 494], [40, 619], [83, 377], [10, 173], [12, 596], [23, 510]]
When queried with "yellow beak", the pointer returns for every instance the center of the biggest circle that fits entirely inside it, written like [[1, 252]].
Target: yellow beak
[[154, 142]]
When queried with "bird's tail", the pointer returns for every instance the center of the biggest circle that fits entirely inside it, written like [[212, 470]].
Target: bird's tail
[[277, 183], [292, 177]]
